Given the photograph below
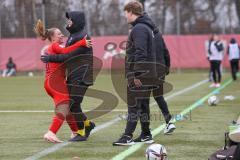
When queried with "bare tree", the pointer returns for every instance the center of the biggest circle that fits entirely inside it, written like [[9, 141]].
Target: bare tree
[[55, 13], [105, 17], [96, 18], [237, 3], [114, 23], [157, 11]]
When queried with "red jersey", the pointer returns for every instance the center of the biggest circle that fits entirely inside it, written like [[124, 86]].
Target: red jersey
[[55, 83], [55, 48]]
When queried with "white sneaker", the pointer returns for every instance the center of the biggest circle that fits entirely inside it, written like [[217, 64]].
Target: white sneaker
[[51, 137], [217, 85], [170, 127], [212, 85]]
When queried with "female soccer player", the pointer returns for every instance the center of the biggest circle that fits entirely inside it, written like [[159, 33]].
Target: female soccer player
[[55, 72]]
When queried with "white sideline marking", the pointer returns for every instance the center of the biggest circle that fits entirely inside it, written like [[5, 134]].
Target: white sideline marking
[[51, 111], [115, 110], [57, 147], [26, 111]]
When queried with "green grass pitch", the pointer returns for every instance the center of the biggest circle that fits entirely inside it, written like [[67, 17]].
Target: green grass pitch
[[21, 133]]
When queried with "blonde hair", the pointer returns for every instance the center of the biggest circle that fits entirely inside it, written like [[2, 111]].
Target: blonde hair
[[42, 32]]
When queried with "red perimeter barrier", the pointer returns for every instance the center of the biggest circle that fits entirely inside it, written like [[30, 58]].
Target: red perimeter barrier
[[185, 51]]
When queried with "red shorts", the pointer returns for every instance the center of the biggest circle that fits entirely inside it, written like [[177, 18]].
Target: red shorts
[[57, 90]]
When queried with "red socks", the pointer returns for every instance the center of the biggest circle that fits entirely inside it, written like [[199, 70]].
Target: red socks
[[72, 123], [57, 122]]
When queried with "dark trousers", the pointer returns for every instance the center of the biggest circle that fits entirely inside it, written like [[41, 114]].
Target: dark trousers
[[215, 68], [237, 153], [76, 95], [162, 104], [138, 108], [210, 75], [234, 68]]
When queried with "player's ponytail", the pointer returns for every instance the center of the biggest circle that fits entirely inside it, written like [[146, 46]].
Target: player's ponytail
[[42, 32], [39, 29]]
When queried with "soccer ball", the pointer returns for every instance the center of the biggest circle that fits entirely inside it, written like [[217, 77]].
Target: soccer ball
[[213, 101], [30, 74], [156, 152]]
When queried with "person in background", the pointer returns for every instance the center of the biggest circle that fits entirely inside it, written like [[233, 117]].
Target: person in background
[[216, 49], [233, 55], [208, 44], [10, 68]]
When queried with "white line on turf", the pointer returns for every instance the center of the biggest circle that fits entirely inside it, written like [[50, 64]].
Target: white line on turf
[[132, 149], [57, 147], [51, 111], [26, 111], [115, 110]]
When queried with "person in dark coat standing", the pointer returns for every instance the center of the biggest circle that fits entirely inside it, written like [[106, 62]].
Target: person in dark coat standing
[[163, 59], [140, 58], [79, 64]]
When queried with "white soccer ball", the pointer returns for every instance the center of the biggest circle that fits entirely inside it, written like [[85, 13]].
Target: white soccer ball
[[30, 74], [156, 152], [213, 101]]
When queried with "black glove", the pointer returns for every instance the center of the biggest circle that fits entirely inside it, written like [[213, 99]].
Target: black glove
[[45, 58]]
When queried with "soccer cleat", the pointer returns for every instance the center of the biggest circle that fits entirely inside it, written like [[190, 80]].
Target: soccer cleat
[[170, 127], [51, 137], [125, 140], [89, 128], [144, 139], [78, 138]]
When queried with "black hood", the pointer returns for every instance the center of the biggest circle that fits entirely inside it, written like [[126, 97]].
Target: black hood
[[233, 41], [145, 19], [78, 19]]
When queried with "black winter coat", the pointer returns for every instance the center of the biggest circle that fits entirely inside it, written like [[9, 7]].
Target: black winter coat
[[79, 63], [146, 45]]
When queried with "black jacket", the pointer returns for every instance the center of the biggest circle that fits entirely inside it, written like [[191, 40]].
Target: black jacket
[[140, 49], [11, 65], [162, 53], [79, 63], [163, 56], [146, 45]]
